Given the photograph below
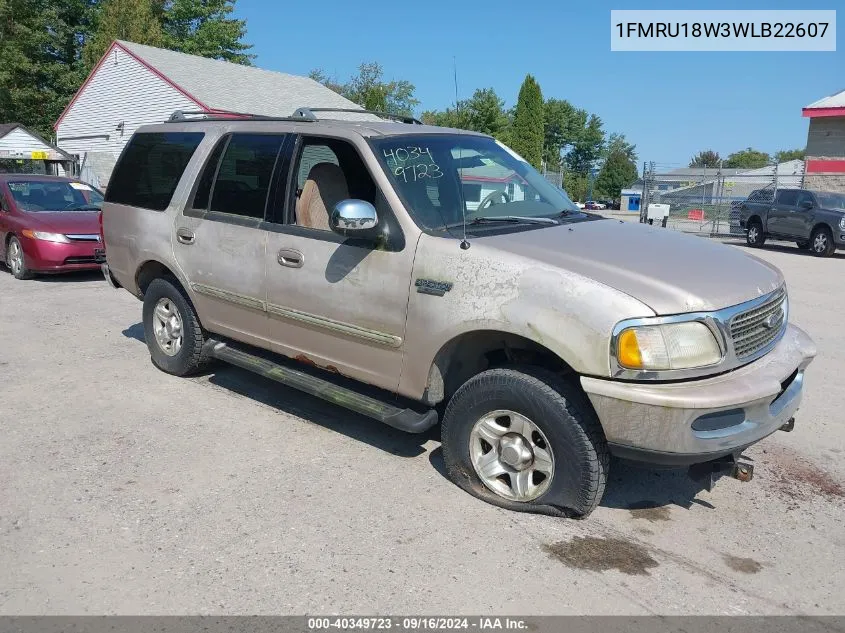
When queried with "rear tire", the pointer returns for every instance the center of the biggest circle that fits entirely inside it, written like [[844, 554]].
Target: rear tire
[[755, 237], [821, 242], [15, 260], [560, 435], [172, 330]]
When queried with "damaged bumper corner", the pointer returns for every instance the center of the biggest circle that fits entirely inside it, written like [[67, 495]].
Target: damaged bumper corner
[[694, 421]]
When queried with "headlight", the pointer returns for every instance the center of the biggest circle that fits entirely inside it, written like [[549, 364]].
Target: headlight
[[46, 237], [669, 346], [842, 223]]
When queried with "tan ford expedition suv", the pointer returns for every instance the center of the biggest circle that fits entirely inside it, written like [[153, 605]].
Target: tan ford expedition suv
[[418, 275]]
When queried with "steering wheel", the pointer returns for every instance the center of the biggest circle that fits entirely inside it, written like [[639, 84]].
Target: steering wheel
[[490, 198]]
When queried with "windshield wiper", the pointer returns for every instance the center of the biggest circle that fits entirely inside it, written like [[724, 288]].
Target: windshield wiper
[[513, 219]]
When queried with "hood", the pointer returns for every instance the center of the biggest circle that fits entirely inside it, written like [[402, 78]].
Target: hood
[[73, 222], [667, 270]]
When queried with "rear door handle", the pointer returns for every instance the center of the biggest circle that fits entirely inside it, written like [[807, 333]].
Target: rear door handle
[[185, 236], [290, 257]]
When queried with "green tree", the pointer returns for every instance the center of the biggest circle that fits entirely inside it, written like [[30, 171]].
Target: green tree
[[131, 20], [706, 158], [40, 58], [576, 185], [204, 28], [369, 89], [618, 172], [483, 112], [747, 158], [528, 123], [785, 155], [618, 144], [588, 147]]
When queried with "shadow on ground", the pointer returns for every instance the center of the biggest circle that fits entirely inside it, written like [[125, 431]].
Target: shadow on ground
[[629, 487], [135, 332], [316, 411], [784, 247]]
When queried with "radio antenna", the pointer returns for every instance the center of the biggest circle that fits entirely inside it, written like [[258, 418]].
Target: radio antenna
[[464, 242]]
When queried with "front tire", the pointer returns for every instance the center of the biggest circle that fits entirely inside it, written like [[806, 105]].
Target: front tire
[[755, 237], [15, 261], [527, 440], [172, 330], [821, 242]]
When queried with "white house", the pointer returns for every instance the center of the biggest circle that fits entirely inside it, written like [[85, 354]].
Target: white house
[[134, 85], [23, 150]]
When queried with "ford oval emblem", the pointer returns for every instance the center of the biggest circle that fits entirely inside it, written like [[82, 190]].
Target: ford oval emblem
[[771, 320]]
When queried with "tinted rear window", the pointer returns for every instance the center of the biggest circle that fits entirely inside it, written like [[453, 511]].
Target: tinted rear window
[[150, 168]]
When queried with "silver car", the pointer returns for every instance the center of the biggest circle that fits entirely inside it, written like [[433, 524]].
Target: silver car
[[421, 275]]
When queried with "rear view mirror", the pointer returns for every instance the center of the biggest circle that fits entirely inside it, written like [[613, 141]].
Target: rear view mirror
[[354, 218], [806, 205]]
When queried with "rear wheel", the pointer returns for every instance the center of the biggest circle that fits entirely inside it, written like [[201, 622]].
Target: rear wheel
[[15, 260], [527, 440], [821, 242], [172, 330], [755, 236]]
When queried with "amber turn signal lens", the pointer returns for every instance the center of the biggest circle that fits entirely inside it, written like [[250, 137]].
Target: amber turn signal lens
[[628, 350]]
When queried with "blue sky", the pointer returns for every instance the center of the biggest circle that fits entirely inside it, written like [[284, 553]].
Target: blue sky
[[669, 104]]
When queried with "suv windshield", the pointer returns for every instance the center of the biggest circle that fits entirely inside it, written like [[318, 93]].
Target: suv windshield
[[829, 200], [442, 177], [55, 195]]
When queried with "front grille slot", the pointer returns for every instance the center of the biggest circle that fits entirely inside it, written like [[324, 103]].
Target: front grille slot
[[752, 330], [84, 259]]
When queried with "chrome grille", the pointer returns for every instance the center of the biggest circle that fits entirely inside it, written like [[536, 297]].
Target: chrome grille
[[754, 329]]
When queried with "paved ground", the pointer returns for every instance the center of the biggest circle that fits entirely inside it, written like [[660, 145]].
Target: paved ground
[[124, 490]]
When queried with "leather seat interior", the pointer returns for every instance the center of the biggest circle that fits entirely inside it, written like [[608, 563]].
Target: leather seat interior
[[323, 189]]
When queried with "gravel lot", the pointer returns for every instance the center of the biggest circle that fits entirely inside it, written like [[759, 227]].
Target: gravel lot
[[127, 491]]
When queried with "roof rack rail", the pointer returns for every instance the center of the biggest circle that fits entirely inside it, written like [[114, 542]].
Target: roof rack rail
[[308, 114], [189, 116]]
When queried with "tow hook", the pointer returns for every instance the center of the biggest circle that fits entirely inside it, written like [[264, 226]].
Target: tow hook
[[787, 428], [708, 472]]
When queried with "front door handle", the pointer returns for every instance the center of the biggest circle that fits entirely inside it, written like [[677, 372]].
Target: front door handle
[[184, 236], [290, 257]]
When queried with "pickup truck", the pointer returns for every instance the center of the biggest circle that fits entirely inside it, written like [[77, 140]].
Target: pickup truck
[[815, 220]]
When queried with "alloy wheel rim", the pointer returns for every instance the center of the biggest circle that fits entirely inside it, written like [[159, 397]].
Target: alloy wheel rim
[[15, 262], [167, 326], [752, 234], [511, 455], [820, 243]]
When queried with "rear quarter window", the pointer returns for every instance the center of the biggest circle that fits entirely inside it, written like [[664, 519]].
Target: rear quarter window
[[150, 168]]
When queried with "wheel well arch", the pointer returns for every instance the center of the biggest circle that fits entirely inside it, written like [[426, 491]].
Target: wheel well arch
[[821, 225], [755, 218], [470, 353], [150, 270]]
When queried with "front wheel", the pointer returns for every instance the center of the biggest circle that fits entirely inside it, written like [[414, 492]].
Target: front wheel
[[756, 237], [821, 242], [527, 440], [15, 260]]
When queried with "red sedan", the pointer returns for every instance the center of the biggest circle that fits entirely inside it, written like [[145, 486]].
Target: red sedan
[[48, 224]]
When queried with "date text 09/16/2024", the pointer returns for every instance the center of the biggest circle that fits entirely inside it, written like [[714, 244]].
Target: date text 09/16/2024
[[421, 623]]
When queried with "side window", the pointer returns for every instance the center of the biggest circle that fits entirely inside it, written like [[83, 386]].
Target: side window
[[328, 171], [150, 169], [244, 175], [203, 192], [787, 197], [805, 196]]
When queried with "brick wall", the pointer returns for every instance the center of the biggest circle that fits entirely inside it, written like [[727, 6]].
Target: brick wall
[[826, 142]]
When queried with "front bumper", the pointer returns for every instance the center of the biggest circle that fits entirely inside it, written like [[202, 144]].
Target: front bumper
[[699, 420], [53, 257]]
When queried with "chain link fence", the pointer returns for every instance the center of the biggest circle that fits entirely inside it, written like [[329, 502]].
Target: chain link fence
[[707, 201]]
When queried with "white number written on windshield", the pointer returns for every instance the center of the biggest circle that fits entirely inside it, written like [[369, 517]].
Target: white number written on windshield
[[412, 163]]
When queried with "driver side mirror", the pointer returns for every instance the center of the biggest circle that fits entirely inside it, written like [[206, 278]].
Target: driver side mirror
[[354, 218], [806, 205]]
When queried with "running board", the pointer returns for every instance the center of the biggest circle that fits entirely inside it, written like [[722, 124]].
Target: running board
[[403, 419]]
